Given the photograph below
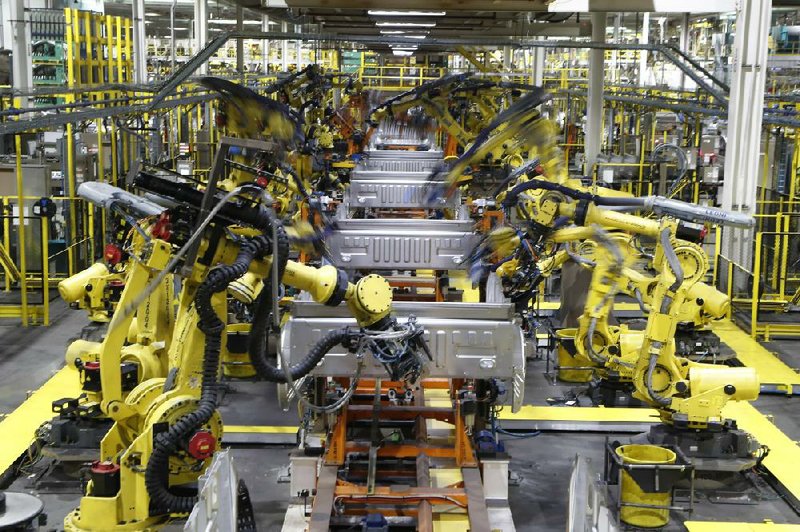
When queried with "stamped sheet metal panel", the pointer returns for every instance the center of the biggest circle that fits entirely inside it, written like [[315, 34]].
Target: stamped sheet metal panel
[[402, 244], [401, 161], [400, 193], [465, 339]]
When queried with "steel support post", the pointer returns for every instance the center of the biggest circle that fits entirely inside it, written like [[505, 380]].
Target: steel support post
[[743, 150], [615, 53], [644, 75], [684, 44], [298, 47], [172, 35], [21, 66], [593, 140], [284, 49], [265, 49], [240, 42], [538, 66], [139, 42], [201, 30]]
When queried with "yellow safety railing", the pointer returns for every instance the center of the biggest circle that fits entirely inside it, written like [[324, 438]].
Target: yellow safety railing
[[763, 303], [397, 78]]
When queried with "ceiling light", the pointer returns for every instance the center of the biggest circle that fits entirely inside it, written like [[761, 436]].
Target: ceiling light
[[408, 24], [406, 13], [414, 36], [402, 52], [392, 32]]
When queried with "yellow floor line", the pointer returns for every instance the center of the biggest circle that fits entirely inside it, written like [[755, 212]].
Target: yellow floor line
[[754, 355], [714, 526], [19, 427], [784, 454], [261, 429], [783, 450], [582, 414], [555, 305]]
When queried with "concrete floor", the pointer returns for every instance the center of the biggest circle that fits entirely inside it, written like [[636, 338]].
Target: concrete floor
[[543, 464]]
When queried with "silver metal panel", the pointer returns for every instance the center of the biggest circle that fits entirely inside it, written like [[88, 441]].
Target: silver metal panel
[[364, 174], [420, 309], [402, 244], [401, 161], [393, 193], [404, 154], [392, 189], [466, 340]]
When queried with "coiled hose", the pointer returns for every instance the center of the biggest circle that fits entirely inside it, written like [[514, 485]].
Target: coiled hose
[[162, 500]]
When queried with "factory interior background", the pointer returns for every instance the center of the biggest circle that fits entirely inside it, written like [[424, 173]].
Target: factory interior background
[[310, 265]]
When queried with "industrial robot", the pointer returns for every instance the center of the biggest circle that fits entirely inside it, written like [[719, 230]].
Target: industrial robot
[[166, 428], [548, 212]]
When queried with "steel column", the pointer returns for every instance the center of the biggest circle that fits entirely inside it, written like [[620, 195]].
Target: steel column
[[21, 66], [538, 66], [284, 49], [172, 35], [265, 52], [684, 44], [614, 53], [201, 30], [742, 154], [594, 104], [298, 47], [644, 77], [240, 42], [139, 42]]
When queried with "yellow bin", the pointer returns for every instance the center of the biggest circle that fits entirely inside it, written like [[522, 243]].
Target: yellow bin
[[568, 358], [632, 493]]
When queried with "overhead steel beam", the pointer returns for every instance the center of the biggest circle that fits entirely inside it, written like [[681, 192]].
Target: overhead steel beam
[[567, 29], [188, 68], [769, 117], [166, 89], [62, 119], [552, 6], [652, 6]]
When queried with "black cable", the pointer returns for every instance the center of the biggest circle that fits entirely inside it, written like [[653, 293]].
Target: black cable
[[165, 444]]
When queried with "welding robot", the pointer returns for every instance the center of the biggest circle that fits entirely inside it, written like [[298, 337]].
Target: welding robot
[[167, 427], [552, 210]]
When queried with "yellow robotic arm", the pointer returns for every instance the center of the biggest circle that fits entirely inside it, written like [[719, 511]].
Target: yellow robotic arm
[[166, 429]]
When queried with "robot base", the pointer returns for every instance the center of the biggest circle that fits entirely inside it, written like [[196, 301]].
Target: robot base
[[727, 449], [608, 392]]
